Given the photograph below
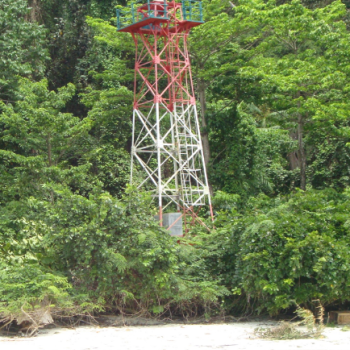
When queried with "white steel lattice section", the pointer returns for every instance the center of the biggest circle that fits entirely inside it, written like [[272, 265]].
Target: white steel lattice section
[[172, 159], [167, 155]]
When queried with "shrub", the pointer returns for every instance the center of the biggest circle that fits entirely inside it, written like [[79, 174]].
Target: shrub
[[285, 250], [104, 253]]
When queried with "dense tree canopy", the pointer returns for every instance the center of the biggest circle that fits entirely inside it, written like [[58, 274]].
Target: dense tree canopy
[[272, 87]]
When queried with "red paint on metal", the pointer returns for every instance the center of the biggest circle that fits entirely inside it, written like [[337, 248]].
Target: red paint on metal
[[162, 65], [211, 212], [162, 58]]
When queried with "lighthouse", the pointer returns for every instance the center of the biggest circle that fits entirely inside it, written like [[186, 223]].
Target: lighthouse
[[166, 154]]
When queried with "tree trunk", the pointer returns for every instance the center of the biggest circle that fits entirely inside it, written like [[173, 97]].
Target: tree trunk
[[204, 131], [302, 153], [293, 157], [49, 154], [35, 12]]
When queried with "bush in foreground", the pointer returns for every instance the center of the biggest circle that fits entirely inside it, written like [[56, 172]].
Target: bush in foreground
[[285, 250]]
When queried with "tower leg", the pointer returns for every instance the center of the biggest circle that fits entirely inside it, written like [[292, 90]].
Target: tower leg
[[132, 146], [166, 141], [159, 159]]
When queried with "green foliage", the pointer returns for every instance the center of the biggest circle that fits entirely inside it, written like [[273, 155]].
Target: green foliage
[[250, 160], [78, 254], [26, 287], [297, 70], [22, 50], [99, 241], [36, 139], [271, 79], [28, 291], [286, 250]]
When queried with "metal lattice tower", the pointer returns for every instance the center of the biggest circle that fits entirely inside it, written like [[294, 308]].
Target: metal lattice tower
[[166, 139]]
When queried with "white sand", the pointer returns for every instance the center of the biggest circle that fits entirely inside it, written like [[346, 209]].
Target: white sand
[[170, 337]]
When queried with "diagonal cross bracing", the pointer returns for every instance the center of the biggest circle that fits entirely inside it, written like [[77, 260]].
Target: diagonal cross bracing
[[167, 154]]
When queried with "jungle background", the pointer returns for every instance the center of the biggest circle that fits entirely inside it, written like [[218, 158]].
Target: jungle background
[[273, 87]]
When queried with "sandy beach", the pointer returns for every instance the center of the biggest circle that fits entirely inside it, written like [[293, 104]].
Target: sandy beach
[[170, 337]]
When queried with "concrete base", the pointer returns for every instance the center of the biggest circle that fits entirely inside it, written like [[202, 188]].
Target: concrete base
[[169, 219]]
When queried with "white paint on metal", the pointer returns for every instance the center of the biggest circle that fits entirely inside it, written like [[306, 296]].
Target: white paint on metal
[[167, 146]]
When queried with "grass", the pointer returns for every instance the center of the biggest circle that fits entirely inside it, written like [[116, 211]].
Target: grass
[[296, 329]]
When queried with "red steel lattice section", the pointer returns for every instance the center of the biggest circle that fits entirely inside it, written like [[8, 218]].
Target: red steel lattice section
[[166, 136]]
